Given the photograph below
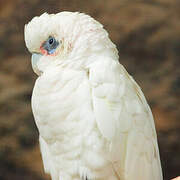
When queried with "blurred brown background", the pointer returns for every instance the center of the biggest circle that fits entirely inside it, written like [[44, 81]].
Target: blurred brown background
[[147, 34]]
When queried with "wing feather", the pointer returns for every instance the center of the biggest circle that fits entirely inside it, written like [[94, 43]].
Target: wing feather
[[125, 120]]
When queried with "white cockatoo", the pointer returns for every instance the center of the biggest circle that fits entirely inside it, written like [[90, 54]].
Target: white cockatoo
[[94, 122]]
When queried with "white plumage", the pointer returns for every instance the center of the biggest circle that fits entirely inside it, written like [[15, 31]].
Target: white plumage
[[93, 119]]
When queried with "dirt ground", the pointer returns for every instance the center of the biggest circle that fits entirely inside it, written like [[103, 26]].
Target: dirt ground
[[147, 35]]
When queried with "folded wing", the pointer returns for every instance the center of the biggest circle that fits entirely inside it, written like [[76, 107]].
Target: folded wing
[[125, 120]]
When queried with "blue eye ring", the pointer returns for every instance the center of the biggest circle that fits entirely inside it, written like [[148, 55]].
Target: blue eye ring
[[50, 45]]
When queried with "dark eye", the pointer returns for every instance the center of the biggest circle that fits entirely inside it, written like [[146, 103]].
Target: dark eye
[[50, 45], [51, 40]]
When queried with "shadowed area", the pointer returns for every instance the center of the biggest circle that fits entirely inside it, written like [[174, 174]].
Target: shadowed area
[[147, 35]]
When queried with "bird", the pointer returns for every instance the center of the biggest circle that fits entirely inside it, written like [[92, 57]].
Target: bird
[[93, 119]]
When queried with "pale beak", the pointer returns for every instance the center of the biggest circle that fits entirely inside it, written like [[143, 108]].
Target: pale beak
[[34, 61]]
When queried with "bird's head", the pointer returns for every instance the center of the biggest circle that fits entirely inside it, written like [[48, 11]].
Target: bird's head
[[65, 38]]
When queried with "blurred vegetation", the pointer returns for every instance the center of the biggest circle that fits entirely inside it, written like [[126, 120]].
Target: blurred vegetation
[[147, 34]]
